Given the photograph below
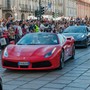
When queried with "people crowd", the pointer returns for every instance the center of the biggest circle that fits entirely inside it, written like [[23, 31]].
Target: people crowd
[[15, 29]]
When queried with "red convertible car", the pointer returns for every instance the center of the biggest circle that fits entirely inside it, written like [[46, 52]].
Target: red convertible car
[[39, 51]]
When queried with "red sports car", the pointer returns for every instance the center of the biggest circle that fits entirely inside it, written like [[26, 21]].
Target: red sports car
[[39, 51]]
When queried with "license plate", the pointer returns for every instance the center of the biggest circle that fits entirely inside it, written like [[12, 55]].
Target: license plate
[[23, 63]]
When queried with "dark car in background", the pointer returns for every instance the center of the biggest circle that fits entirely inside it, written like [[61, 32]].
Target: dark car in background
[[81, 35]]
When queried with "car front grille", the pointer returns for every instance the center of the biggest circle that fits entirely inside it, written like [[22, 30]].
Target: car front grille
[[24, 66], [41, 64], [10, 64], [34, 65], [79, 43]]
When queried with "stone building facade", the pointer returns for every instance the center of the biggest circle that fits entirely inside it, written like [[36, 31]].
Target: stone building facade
[[21, 9], [70, 8], [0, 8], [83, 8]]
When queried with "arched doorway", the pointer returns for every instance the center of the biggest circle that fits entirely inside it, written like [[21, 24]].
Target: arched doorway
[[22, 16], [7, 15]]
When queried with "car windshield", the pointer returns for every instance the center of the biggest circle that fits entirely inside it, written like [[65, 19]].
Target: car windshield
[[75, 30], [39, 39]]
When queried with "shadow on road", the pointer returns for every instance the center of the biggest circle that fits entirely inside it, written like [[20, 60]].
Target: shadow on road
[[27, 71]]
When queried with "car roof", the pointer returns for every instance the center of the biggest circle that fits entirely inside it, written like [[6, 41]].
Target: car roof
[[78, 26], [43, 33]]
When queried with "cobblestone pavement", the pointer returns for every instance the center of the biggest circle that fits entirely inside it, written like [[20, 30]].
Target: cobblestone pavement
[[75, 76]]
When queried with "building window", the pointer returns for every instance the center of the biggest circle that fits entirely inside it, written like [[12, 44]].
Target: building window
[[8, 3], [30, 8]]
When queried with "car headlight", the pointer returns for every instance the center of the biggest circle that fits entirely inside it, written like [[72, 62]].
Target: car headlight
[[5, 53], [83, 36], [50, 53]]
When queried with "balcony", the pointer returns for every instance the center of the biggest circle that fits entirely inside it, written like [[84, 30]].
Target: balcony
[[85, 1], [6, 9], [23, 9], [0, 6]]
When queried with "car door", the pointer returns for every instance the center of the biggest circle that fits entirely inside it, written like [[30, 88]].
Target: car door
[[68, 43], [88, 34], [65, 45]]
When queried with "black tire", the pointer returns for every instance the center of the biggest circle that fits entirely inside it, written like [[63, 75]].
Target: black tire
[[86, 44], [61, 61], [73, 52], [1, 84], [0, 87]]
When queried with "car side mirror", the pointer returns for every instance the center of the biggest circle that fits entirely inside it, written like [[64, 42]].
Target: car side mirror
[[69, 39], [12, 42], [68, 42], [88, 29]]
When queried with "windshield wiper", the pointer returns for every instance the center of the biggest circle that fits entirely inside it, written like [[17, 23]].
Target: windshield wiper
[[65, 32], [21, 44], [33, 44]]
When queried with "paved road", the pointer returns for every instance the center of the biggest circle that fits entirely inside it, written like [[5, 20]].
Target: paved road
[[75, 76]]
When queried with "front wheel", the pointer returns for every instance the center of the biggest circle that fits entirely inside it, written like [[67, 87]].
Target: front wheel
[[73, 52], [86, 43], [0, 87], [61, 61]]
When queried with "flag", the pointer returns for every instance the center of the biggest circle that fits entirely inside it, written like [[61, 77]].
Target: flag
[[49, 5]]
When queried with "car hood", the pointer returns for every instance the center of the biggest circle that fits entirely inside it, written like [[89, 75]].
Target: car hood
[[29, 50], [75, 35]]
